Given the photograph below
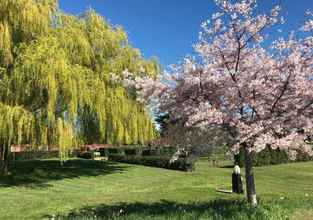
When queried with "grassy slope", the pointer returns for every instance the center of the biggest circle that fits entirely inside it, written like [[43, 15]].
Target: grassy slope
[[41, 188]]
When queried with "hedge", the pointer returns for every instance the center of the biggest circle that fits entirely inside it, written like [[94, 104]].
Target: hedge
[[269, 156], [154, 157], [89, 155], [183, 164], [159, 151], [146, 151], [34, 155]]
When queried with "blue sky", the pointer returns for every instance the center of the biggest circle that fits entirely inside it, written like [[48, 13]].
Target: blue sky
[[168, 28]]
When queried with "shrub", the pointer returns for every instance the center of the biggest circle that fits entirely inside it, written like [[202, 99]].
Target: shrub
[[89, 154], [132, 151], [183, 164], [103, 152], [169, 151], [147, 152], [135, 150], [159, 151], [86, 155], [112, 150], [269, 156], [34, 155]]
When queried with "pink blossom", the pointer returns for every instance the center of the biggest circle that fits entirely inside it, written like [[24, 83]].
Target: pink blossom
[[265, 96]]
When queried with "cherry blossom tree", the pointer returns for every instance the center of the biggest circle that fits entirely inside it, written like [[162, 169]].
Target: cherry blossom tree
[[262, 96]]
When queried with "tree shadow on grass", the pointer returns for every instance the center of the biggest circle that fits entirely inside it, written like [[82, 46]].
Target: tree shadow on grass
[[215, 209], [38, 173]]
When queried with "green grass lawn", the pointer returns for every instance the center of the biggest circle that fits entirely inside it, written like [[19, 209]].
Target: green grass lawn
[[83, 189]]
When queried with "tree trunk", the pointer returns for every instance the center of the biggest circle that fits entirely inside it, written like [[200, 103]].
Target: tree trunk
[[4, 157], [250, 185]]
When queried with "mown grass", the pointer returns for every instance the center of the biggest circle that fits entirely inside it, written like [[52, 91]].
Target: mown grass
[[215, 210], [84, 189]]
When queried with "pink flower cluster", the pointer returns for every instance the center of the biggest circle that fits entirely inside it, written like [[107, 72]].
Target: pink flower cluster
[[262, 96]]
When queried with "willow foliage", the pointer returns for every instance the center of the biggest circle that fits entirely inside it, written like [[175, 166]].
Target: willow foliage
[[16, 124], [20, 21], [55, 79]]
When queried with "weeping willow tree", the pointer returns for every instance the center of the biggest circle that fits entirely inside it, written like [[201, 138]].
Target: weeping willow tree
[[55, 80]]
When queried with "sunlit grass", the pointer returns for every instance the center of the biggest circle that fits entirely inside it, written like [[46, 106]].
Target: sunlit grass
[[41, 189]]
